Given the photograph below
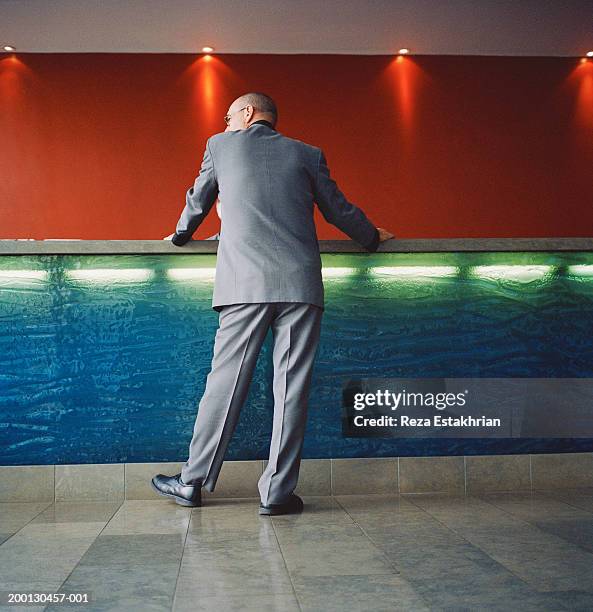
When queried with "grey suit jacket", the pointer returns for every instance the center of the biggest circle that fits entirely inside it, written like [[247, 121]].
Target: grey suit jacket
[[268, 183]]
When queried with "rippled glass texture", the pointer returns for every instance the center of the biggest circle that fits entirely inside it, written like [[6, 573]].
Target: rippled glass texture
[[104, 358]]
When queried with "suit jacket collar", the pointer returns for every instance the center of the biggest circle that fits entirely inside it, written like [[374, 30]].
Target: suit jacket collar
[[263, 122]]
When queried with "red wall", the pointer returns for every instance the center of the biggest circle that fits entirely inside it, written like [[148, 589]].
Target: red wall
[[104, 146]]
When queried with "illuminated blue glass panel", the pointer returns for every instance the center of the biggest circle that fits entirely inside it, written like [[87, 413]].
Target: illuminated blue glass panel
[[104, 358]]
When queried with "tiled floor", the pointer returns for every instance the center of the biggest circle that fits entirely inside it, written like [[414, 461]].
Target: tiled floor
[[503, 551]]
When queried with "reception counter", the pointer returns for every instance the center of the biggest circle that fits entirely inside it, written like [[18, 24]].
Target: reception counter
[[105, 345]]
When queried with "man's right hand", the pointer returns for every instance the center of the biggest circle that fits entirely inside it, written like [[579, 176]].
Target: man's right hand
[[384, 234]]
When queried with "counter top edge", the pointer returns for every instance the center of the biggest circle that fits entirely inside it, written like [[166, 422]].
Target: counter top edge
[[420, 245]]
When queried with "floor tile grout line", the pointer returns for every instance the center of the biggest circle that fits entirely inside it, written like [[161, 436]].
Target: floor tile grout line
[[191, 516], [390, 562], [457, 533], [552, 495], [530, 523], [483, 497], [464, 475], [530, 473], [271, 518], [86, 550], [49, 503]]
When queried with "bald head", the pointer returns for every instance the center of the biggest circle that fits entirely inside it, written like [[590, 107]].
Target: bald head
[[251, 107]]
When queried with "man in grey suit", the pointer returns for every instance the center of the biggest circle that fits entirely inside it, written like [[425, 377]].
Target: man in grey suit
[[268, 274]]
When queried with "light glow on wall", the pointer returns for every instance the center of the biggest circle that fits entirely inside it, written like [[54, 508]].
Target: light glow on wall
[[108, 275], [520, 273], [416, 272], [184, 274], [337, 272], [583, 116], [18, 275], [205, 79], [581, 270], [405, 78]]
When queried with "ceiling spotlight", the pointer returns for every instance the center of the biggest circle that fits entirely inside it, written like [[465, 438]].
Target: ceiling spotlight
[[207, 49], [589, 54], [9, 48], [403, 51]]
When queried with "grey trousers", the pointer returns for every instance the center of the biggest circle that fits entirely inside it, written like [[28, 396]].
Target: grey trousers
[[240, 335]]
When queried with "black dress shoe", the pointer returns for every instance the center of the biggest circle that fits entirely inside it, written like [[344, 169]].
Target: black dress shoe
[[293, 505], [175, 488]]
